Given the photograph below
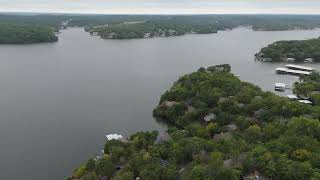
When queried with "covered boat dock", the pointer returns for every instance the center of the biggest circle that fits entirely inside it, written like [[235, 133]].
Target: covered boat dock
[[299, 68], [291, 71]]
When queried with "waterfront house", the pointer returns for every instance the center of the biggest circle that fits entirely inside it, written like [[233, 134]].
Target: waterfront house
[[147, 35], [305, 102], [94, 33], [290, 59], [209, 117], [114, 136], [308, 60], [292, 97]]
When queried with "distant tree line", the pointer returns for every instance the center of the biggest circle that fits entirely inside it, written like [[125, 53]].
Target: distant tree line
[[123, 26]]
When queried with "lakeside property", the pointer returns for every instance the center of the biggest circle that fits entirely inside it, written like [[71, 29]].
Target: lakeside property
[[306, 51], [104, 87], [250, 134]]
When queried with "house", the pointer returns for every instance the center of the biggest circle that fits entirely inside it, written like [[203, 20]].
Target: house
[[305, 102], [162, 136], [114, 136], [209, 117], [290, 59], [241, 105], [94, 33], [292, 97], [308, 60], [259, 112], [228, 163], [147, 35], [226, 135], [170, 103]]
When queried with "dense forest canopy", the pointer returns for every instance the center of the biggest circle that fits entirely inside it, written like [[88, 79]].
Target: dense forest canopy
[[26, 34], [221, 129], [123, 26], [300, 50]]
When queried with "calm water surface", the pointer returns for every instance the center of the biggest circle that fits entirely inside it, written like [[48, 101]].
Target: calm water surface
[[57, 101]]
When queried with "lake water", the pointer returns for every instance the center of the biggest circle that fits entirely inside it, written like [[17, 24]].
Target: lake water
[[57, 101]]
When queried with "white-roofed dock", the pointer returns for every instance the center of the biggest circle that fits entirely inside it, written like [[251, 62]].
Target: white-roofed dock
[[300, 68], [291, 71]]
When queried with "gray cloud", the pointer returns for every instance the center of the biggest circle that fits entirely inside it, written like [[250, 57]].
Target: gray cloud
[[164, 6]]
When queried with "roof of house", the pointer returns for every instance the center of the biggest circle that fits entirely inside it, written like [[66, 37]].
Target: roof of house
[[114, 136], [209, 117], [305, 101], [291, 96]]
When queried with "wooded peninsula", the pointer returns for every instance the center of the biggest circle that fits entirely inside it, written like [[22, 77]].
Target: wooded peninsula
[[298, 51], [26, 34], [219, 128]]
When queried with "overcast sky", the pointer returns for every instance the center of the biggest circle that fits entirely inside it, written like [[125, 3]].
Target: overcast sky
[[164, 6]]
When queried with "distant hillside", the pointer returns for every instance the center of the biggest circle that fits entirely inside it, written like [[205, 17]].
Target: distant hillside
[[124, 26]]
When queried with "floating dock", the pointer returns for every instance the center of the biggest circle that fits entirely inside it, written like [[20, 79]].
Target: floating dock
[[291, 71], [299, 68]]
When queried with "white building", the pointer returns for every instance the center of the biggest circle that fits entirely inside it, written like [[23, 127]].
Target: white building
[[114, 136], [309, 60], [209, 117], [305, 101], [290, 59]]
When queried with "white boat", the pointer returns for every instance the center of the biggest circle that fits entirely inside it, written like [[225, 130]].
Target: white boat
[[280, 87]]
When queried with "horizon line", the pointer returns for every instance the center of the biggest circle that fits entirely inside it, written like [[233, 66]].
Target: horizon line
[[77, 13]]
